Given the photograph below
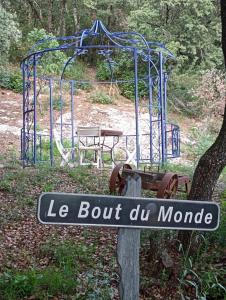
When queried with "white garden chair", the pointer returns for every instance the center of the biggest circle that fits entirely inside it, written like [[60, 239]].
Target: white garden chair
[[65, 153], [89, 142]]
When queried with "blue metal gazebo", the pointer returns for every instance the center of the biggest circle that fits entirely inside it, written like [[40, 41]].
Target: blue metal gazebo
[[155, 139]]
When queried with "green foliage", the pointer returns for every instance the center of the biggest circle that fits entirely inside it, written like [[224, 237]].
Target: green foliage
[[86, 86], [11, 79], [198, 93], [5, 185], [181, 168], [76, 71], [52, 62], [218, 237], [16, 83], [127, 88], [200, 270], [180, 93], [62, 278], [211, 95], [33, 282], [195, 35], [206, 283], [9, 33], [190, 29], [200, 141], [57, 103], [103, 71], [73, 256], [101, 98]]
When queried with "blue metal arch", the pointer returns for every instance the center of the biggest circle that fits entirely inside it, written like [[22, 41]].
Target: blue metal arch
[[153, 53]]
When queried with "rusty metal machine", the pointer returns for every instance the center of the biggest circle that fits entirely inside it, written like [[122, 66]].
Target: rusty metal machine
[[165, 184]]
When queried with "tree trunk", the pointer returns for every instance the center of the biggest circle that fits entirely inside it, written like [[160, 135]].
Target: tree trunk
[[62, 29], [75, 17], [213, 161], [50, 15], [37, 12], [210, 167]]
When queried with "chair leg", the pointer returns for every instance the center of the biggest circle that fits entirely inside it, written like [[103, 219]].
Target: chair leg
[[99, 159], [63, 163], [80, 157], [65, 159]]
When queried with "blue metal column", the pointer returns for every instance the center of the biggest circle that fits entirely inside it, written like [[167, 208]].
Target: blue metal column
[[23, 139], [165, 78], [150, 105], [72, 118], [35, 114], [162, 109], [136, 107], [51, 122], [61, 113]]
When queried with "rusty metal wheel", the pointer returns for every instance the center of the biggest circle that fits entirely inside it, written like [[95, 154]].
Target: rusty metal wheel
[[117, 182], [168, 186], [184, 183]]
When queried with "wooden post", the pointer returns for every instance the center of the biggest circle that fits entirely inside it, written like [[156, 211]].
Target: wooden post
[[128, 247]]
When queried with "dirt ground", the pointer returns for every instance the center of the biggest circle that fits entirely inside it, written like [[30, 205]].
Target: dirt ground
[[120, 116]]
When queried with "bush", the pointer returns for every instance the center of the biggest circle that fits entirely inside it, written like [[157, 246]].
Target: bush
[[16, 82], [57, 103], [180, 93], [198, 94], [102, 71], [75, 71], [9, 33], [52, 62], [11, 80], [211, 93], [201, 140], [102, 98]]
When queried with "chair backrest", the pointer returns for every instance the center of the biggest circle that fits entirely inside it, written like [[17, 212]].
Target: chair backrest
[[89, 131]]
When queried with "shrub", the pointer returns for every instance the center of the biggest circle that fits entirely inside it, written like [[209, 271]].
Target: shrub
[[198, 94], [9, 33], [102, 98], [16, 83], [102, 71], [52, 62], [10, 79], [211, 93], [57, 103], [180, 93], [201, 141]]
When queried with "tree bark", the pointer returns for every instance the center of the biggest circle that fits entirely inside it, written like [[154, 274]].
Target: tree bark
[[50, 15], [36, 13], [213, 160], [75, 17], [62, 29]]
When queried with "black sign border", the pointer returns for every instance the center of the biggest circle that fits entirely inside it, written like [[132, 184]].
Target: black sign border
[[127, 226]]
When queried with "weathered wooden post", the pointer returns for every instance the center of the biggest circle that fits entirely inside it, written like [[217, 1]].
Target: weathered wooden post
[[128, 249]]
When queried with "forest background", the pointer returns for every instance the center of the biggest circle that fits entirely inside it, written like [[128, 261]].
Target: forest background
[[190, 29]]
